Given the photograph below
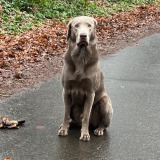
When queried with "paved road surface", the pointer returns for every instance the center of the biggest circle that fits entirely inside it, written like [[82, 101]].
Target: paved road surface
[[133, 83]]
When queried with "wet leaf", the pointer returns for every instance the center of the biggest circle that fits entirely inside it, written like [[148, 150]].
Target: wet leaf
[[7, 158]]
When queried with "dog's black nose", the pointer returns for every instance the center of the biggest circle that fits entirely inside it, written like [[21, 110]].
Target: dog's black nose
[[83, 35]]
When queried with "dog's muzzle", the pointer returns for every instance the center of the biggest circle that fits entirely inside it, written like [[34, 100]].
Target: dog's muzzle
[[83, 40]]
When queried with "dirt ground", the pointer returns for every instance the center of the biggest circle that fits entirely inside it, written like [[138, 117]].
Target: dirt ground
[[113, 34]]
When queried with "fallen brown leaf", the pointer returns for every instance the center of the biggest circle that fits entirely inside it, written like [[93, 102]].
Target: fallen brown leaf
[[8, 159]]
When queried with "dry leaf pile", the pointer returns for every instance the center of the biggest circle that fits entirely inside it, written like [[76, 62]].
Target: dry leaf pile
[[37, 54], [32, 46]]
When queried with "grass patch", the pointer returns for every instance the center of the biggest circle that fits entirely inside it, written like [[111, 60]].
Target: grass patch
[[125, 5], [17, 16]]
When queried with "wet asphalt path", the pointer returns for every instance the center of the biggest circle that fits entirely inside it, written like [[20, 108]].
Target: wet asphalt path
[[132, 78]]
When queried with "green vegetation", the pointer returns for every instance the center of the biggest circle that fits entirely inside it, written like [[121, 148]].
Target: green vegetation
[[17, 15], [124, 5]]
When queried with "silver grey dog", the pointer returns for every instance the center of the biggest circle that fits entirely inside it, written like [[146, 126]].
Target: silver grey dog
[[85, 99]]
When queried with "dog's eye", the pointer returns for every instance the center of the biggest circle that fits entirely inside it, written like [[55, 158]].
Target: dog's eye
[[76, 26], [89, 26]]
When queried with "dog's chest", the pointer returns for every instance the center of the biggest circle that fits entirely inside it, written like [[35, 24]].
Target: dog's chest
[[79, 86]]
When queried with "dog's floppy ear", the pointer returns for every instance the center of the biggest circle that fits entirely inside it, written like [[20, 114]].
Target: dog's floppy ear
[[95, 22], [93, 34], [69, 30]]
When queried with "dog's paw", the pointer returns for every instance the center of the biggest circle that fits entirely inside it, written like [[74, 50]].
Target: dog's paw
[[98, 132], [62, 131], [85, 137]]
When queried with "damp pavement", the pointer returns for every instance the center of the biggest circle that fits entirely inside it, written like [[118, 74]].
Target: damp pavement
[[132, 79]]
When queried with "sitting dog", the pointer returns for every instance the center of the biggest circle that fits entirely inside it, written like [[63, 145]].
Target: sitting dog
[[85, 99]]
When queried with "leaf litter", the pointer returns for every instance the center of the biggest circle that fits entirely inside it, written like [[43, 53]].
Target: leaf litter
[[36, 55]]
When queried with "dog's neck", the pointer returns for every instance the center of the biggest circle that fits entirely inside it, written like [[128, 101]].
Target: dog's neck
[[80, 59], [81, 56]]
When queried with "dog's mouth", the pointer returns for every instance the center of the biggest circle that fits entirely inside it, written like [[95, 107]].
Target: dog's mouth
[[82, 43]]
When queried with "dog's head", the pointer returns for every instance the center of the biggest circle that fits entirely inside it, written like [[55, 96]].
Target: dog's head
[[82, 30]]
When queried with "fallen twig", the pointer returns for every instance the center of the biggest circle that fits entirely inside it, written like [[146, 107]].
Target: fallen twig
[[4, 95]]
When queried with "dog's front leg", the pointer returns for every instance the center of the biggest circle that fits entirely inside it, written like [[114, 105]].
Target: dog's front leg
[[86, 116], [63, 131]]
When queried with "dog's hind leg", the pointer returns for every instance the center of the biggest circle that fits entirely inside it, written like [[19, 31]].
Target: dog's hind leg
[[105, 111]]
